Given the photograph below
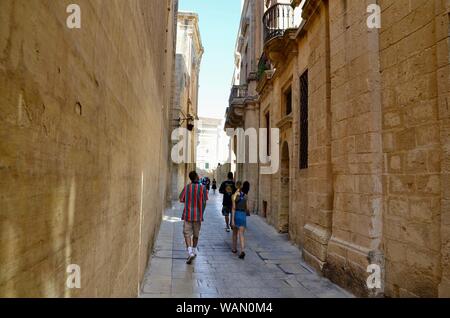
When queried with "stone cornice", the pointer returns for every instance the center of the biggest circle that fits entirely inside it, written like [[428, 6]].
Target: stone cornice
[[309, 9], [285, 122], [195, 30]]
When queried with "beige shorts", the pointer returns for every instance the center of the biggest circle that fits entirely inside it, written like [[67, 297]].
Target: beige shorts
[[192, 229]]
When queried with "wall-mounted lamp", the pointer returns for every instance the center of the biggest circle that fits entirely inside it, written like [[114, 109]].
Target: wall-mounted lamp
[[189, 119]]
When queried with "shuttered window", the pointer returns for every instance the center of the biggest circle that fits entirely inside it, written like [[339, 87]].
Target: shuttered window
[[304, 120]]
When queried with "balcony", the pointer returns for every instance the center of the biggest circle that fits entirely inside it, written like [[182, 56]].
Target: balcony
[[280, 26], [277, 19], [235, 111], [238, 94]]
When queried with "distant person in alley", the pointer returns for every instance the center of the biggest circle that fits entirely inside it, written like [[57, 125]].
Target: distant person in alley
[[239, 216], [227, 188], [194, 197], [214, 186]]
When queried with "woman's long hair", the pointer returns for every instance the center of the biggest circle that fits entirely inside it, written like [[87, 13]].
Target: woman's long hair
[[246, 187]]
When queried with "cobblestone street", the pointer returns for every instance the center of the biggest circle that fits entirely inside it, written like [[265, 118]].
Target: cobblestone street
[[272, 268]]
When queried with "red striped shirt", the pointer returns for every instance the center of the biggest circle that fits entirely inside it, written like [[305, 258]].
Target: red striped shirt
[[194, 202]]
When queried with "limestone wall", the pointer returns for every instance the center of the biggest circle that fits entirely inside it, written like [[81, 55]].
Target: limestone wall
[[268, 192], [356, 145], [414, 69], [319, 189], [84, 143], [376, 188], [299, 186], [442, 21]]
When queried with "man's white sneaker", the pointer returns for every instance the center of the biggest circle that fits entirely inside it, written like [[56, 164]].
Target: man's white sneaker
[[190, 258], [195, 251]]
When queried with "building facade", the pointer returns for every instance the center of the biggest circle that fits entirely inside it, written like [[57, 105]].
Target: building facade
[[189, 52], [364, 139], [210, 143], [85, 126], [243, 110]]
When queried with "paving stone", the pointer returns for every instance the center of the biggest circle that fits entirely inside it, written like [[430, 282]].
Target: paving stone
[[293, 268], [273, 267], [143, 295], [184, 295], [182, 274], [297, 292], [216, 295], [329, 293], [157, 285], [206, 290], [259, 292]]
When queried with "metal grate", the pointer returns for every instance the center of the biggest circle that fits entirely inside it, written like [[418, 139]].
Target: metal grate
[[304, 120], [277, 19], [288, 102], [268, 132]]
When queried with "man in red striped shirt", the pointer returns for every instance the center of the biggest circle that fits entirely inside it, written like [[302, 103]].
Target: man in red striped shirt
[[194, 197]]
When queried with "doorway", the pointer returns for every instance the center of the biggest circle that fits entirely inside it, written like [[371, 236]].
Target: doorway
[[283, 220]]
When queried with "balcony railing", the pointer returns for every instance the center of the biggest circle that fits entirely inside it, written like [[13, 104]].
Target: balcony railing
[[238, 91], [277, 19]]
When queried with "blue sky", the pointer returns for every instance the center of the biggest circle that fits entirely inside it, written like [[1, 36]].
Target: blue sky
[[219, 24]]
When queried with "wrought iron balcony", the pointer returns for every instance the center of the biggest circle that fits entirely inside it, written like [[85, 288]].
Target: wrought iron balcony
[[238, 92], [277, 19]]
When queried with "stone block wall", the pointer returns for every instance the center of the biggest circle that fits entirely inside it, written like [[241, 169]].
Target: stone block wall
[[268, 183], [376, 189], [356, 145], [414, 69], [299, 186], [318, 176], [442, 21], [83, 125]]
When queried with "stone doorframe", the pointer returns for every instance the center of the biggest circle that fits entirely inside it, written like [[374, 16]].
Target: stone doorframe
[[285, 189]]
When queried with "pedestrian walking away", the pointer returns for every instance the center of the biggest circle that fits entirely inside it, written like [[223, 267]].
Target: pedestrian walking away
[[239, 216], [194, 197], [227, 188], [208, 184], [214, 186]]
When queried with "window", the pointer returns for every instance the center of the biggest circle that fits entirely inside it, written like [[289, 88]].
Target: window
[[246, 63], [206, 166], [268, 132], [304, 120], [288, 101]]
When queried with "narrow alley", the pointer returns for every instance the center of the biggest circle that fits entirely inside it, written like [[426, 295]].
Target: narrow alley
[[325, 123], [273, 267]]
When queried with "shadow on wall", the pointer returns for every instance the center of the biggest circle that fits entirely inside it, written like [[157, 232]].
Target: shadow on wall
[[73, 142], [36, 246], [35, 240]]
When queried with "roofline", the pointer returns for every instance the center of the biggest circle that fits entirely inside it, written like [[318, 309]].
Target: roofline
[[194, 16]]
